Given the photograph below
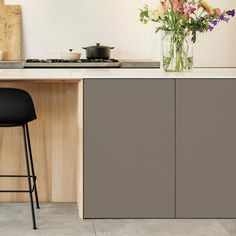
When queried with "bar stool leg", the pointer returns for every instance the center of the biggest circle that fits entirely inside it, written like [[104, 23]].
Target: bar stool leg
[[29, 179], [32, 165]]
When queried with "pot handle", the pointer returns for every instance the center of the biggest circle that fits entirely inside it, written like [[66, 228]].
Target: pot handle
[[112, 47]]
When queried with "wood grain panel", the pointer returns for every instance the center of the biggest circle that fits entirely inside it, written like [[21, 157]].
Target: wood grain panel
[[10, 31], [54, 137], [80, 170]]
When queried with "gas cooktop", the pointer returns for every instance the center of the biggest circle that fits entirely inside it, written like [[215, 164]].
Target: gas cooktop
[[83, 63]]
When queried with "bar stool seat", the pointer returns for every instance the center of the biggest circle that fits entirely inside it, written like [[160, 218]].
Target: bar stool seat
[[17, 109]]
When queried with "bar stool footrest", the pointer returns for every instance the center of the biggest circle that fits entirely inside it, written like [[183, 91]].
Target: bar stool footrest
[[19, 191]]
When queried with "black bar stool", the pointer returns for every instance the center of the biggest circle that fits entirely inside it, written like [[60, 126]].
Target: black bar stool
[[17, 109]]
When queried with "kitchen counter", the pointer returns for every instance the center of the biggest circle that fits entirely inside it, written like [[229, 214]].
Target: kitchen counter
[[75, 74]]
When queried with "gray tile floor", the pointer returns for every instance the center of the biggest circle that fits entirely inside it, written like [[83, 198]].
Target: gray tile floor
[[62, 219]]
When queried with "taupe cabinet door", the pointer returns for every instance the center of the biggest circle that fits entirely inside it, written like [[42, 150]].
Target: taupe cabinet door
[[129, 157], [206, 148]]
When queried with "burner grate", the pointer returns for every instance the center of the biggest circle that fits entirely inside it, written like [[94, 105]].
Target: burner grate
[[99, 60], [65, 61], [83, 63]]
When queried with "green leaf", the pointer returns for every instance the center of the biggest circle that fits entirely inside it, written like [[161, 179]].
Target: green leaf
[[158, 29]]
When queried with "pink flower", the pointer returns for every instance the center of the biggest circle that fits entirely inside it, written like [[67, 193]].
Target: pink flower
[[188, 9], [165, 5], [218, 11], [176, 5]]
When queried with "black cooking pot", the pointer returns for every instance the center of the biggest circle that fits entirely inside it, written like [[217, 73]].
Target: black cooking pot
[[98, 52]]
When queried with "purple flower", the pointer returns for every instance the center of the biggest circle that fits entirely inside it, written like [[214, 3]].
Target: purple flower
[[214, 22], [210, 27], [231, 13], [223, 18], [202, 18], [199, 30]]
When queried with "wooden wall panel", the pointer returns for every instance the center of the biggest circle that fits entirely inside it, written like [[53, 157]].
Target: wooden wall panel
[[54, 137]]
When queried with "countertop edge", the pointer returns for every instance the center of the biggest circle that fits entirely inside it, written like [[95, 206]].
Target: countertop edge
[[79, 74]]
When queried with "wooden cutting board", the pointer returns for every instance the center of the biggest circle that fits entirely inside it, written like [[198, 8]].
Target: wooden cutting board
[[10, 31]]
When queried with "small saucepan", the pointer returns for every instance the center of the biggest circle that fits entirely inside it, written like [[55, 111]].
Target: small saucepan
[[98, 52], [69, 55]]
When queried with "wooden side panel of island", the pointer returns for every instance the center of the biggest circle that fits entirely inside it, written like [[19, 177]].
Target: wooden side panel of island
[[54, 137]]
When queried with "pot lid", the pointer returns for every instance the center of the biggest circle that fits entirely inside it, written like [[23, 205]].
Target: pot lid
[[98, 45]]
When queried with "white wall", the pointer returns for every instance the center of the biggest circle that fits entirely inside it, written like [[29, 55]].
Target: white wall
[[62, 24]]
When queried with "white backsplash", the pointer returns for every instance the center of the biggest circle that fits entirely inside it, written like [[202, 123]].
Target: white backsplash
[[61, 24]]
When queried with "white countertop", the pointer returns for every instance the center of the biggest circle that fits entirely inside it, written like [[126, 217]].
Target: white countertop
[[76, 74]]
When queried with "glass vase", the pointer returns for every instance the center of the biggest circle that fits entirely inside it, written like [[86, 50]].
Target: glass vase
[[177, 53]]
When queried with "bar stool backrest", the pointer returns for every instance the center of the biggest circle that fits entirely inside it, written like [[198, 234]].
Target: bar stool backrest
[[16, 107]]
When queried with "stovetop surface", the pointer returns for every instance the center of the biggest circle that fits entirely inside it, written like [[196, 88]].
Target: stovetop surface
[[83, 63], [66, 61]]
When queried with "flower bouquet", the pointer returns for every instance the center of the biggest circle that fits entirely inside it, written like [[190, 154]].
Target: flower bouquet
[[180, 20]]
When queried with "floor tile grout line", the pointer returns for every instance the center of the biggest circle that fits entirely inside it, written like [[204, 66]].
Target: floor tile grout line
[[224, 228], [94, 228]]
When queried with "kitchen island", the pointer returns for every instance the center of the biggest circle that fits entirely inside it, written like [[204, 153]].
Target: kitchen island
[[129, 143]]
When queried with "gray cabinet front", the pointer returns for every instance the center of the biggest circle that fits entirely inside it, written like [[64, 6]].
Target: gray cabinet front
[[206, 148], [129, 148]]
